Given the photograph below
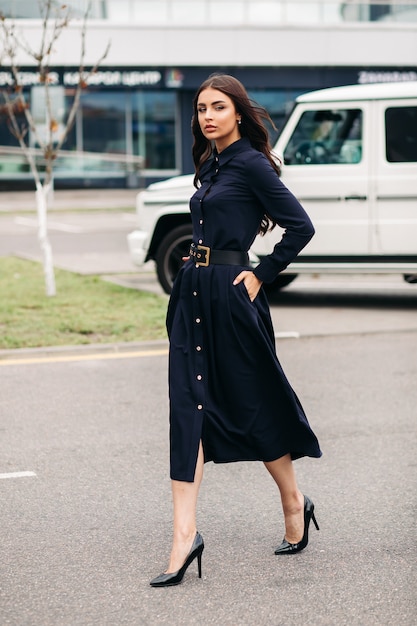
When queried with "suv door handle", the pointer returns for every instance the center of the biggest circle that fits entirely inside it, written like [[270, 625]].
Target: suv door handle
[[354, 197]]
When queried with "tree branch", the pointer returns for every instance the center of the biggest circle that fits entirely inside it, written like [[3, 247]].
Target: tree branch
[[82, 79]]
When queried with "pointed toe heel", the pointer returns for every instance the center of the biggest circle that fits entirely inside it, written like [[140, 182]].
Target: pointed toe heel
[[175, 578], [292, 548]]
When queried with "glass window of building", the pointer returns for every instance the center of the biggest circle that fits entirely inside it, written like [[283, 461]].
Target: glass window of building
[[33, 9], [158, 12], [153, 129], [11, 164], [104, 122]]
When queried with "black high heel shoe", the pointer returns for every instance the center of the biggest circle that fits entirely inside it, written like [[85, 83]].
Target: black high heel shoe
[[174, 578], [291, 548]]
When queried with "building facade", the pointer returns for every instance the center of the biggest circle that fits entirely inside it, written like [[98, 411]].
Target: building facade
[[139, 102]]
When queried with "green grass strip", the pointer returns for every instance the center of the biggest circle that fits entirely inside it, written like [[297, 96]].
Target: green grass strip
[[85, 310]]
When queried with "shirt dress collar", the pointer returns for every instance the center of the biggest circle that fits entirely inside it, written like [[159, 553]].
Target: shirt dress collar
[[216, 160], [228, 153]]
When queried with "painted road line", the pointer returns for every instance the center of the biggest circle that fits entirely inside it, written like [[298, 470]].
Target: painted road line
[[290, 334], [17, 475], [84, 357], [358, 287], [33, 223], [129, 217]]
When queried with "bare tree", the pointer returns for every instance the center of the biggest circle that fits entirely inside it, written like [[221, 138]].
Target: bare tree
[[50, 135]]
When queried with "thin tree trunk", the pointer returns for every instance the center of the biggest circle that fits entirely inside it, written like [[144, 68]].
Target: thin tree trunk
[[11, 45], [42, 192]]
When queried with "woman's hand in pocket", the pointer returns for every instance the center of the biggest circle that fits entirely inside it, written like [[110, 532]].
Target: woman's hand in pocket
[[251, 282]]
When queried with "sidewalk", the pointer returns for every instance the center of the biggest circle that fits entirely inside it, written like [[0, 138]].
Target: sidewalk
[[71, 199]]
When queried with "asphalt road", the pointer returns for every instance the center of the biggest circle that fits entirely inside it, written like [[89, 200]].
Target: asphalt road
[[84, 242], [89, 525], [82, 537]]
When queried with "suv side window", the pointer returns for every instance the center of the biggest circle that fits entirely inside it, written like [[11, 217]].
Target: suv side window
[[401, 134], [326, 136]]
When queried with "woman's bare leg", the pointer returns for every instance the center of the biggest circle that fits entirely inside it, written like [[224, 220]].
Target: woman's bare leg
[[184, 497], [282, 471]]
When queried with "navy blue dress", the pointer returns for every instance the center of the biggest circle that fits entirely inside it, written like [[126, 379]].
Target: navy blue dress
[[226, 385]]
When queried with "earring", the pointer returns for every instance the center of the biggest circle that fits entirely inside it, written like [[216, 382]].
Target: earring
[[239, 122]]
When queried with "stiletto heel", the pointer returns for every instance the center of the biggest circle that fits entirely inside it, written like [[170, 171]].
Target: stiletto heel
[[291, 548], [175, 578]]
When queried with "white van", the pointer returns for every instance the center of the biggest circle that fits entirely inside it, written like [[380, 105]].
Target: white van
[[350, 156]]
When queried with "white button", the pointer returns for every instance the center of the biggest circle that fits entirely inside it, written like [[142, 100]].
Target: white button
[[198, 348], [197, 265], [198, 320], [199, 377], [200, 241], [201, 221], [194, 293], [199, 407]]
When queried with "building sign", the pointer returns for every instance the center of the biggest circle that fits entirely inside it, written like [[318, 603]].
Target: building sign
[[190, 78], [376, 76], [27, 79], [115, 78], [101, 78], [174, 78]]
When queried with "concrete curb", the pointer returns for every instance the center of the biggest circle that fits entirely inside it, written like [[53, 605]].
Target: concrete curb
[[93, 348]]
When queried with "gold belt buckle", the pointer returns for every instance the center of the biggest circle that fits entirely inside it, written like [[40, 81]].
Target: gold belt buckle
[[206, 262]]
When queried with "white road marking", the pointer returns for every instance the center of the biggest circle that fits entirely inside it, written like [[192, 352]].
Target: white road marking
[[32, 222], [358, 287], [129, 217], [17, 475], [290, 334]]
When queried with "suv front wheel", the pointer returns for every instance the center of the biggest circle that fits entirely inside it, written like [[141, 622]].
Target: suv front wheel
[[172, 248]]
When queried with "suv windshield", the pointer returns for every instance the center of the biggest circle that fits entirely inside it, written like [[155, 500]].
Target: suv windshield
[[326, 136]]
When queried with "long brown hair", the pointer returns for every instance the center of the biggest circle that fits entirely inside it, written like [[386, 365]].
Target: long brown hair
[[252, 126]]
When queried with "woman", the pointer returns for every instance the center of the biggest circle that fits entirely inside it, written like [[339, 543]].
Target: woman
[[229, 398]]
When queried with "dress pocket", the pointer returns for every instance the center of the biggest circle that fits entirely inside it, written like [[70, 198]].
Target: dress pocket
[[244, 290], [179, 339]]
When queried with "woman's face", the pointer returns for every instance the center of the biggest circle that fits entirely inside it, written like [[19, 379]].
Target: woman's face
[[218, 118]]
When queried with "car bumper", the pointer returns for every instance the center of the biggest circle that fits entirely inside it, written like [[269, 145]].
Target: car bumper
[[137, 243]]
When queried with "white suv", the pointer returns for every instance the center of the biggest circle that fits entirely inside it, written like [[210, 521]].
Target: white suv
[[350, 156]]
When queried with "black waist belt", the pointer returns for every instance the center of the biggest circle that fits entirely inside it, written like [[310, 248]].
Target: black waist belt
[[205, 256]]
